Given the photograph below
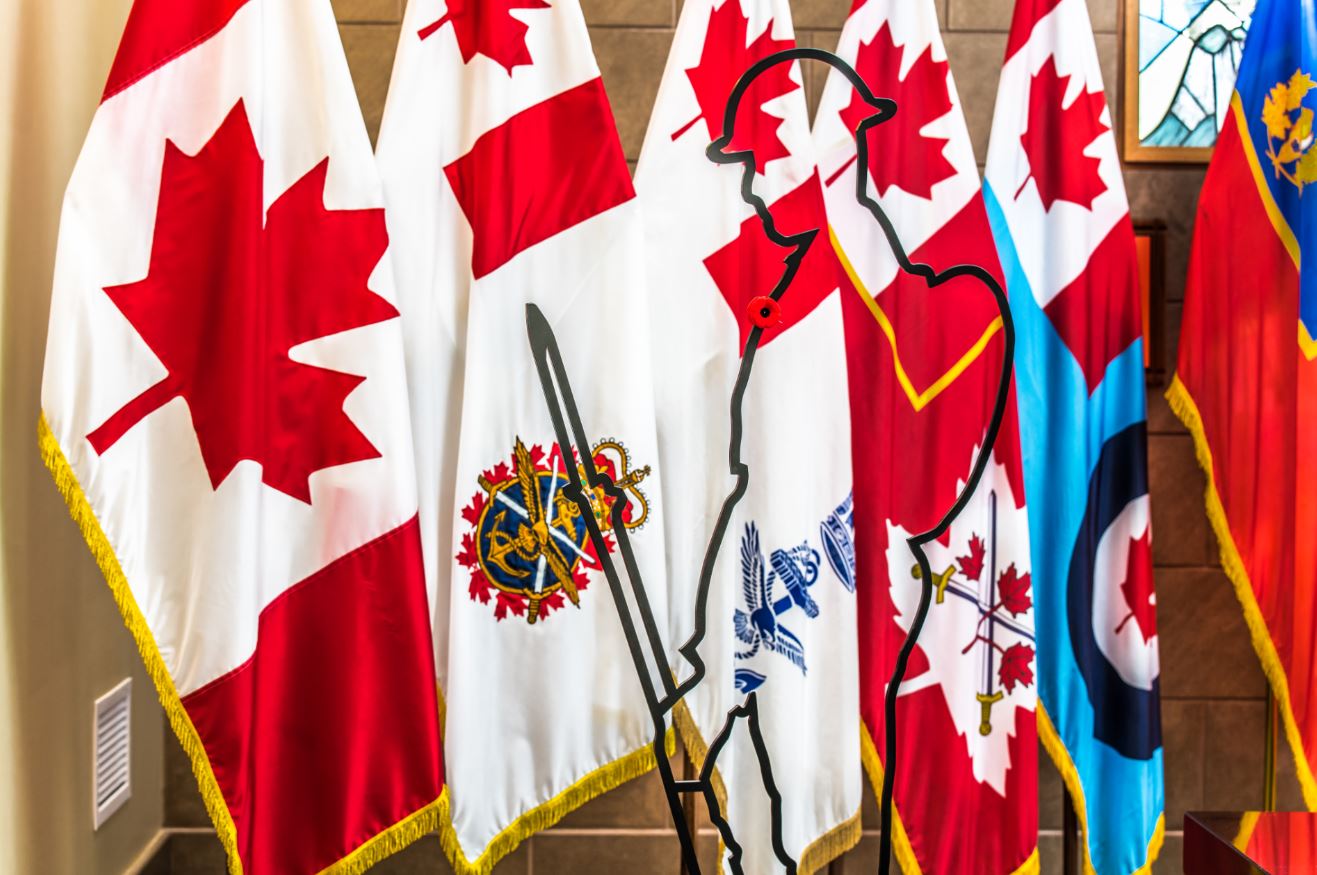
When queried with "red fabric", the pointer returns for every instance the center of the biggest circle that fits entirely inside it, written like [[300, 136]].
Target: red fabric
[[1094, 320], [1284, 842], [727, 53], [329, 734], [1257, 396], [230, 290], [751, 265], [1027, 14], [159, 31], [935, 328], [907, 468], [542, 171]]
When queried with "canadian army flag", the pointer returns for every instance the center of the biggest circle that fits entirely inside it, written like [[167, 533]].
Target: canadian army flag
[[225, 410], [506, 185], [924, 367], [781, 610]]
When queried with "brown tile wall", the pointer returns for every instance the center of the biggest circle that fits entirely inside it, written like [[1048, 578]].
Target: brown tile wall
[[1213, 693]]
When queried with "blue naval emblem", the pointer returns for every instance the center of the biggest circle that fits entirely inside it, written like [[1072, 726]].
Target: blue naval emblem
[[758, 625], [838, 535]]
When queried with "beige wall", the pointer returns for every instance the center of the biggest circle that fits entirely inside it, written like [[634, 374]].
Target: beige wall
[[61, 640]]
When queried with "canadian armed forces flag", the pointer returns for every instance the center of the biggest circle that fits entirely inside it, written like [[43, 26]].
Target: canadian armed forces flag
[[225, 411], [506, 185], [924, 365]]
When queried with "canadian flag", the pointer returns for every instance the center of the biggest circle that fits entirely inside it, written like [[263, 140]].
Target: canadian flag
[[225, 411], [924, 366], [506, 185], [781, 608]]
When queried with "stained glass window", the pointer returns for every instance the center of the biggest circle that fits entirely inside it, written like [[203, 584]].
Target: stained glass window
[[1188, 52]]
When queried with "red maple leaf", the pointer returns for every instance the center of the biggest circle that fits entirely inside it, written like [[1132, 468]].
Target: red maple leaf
[[471, 513], [722, 61], [1056, 138], [1137, 587], [551, 602], [486, 27], [505, 602], [1016, 666], [230, 290], [498, 473], [898, 154], [537, 454], [467, 555], [972, 565], [1014, 590], [479, 588]]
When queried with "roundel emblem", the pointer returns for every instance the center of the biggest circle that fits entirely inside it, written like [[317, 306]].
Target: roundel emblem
[[1110, 607]]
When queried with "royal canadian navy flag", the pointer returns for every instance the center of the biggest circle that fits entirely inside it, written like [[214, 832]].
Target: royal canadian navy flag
[[225, 410], [506, 185], [1062, 226], [924, 367], [781, 610]]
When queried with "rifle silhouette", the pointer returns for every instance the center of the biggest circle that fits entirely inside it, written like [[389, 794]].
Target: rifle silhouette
[[661, 691]]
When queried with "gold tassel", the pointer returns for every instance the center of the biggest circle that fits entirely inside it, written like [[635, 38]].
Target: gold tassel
[[1056, 749], [595, 784], [389, 841], [818, 854], [905, 854], [393, 839], [1183, 405]]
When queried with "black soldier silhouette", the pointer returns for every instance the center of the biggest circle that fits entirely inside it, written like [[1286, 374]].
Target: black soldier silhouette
[[662, 691]]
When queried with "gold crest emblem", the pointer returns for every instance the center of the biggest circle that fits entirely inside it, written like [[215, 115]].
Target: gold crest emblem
[[1290, 137]]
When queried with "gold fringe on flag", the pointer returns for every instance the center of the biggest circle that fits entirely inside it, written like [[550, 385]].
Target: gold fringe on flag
[[905, 852], [1184, 406], [543, 816], [1056, 749], [387, 842], [818, 854]]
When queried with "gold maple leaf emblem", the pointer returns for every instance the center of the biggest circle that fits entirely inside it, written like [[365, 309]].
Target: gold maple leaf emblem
[[1290, 136]]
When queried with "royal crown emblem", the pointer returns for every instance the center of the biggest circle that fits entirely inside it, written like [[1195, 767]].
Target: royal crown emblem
[[782, 586], [1290, 137], [527, 548]]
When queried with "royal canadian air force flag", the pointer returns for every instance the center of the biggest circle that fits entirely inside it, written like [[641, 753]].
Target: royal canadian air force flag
[[781, 612], [225, 411], [506, 185], [1062, 226], [924, 367]]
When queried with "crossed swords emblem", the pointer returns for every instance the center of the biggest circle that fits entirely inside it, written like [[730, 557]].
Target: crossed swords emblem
[[542, 530], [984, 597]]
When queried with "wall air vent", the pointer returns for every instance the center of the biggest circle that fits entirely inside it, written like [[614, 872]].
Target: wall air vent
[[111, 764]]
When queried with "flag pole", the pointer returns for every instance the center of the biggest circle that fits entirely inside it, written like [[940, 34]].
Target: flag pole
[[1069, 835], [1269, 755]]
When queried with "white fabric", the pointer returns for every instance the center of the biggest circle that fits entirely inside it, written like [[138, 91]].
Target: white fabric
[[1063, 36], [203, 562], [797, 447], [912, 25], [531, 709]]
